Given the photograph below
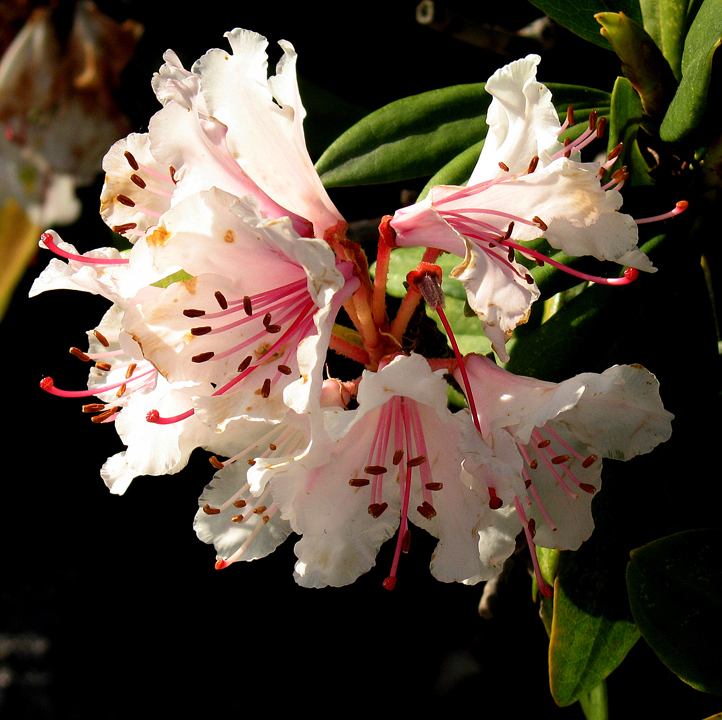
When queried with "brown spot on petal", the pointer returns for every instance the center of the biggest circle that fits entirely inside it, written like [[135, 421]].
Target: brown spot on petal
[[159, 237], [229, 236]]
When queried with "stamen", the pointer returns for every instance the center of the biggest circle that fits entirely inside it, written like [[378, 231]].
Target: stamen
[[426, 510], [543, 587], [101, 338], [79, 354], [377, 509], [375, 469], [131, 160], [221, 300], [110, 412], [266, 389], [680, 207], [359, 482], [50, 244]]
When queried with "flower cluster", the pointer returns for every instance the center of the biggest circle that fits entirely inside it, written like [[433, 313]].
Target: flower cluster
[[224, 310]]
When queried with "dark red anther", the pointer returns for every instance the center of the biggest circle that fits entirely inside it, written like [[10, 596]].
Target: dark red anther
[[125, 200], [592, 119], [138, 180], [79, 354], [589, 461], [131, 160], [121, 229], [375, 469], [540, 223], [266, 389], [427, 280], [588, 488], [247, 306], [426, 509], [202, 357], [221, 300], [101, 338], [193, 313], [203, 330], [245, 363], [153, 416], [358, 482], [495, 502], [377, 509]]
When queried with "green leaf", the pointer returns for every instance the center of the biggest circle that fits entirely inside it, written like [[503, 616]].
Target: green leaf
[[666, 21], [642, 61], [674, 591], [690, 101], [411, 137], [419, 135], [625, 118], [584, 648], [579, 15], [179, 276]]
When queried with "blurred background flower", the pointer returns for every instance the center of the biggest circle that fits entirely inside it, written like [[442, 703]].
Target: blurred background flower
[[58, 75]]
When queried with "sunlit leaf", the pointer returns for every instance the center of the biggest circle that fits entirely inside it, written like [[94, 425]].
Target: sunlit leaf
[[665, 21], [689, 104], [411, 137], [584, 647], [674, 592]]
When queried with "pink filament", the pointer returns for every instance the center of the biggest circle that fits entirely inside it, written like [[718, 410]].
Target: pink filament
[[48, 241]]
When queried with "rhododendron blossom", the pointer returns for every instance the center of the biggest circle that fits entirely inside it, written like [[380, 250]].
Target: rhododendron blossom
[[226, 320], [524, 186], [539, 445]]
